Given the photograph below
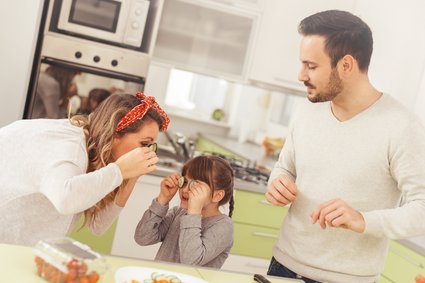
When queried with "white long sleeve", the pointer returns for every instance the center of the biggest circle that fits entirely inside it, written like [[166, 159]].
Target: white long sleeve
[[42, 172]]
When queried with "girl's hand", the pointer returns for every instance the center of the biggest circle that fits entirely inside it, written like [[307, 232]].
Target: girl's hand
[[199, 197], [168, 188], [137, 162]]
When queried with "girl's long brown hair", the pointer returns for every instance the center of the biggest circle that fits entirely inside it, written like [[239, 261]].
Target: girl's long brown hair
[[216, 172], [99, 129]]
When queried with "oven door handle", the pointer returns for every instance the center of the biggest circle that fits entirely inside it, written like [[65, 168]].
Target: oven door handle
[[93, 70]]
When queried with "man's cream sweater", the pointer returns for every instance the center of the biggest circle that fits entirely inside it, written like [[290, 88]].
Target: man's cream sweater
[[368, 161]]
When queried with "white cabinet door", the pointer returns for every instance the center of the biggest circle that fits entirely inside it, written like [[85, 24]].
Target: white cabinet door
[[147, 188], [207, 37], [276, 53]]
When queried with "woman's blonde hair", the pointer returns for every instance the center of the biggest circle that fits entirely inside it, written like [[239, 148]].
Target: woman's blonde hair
[[100, 129]]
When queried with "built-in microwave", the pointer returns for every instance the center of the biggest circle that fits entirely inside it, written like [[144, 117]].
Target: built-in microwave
[[118, 22]]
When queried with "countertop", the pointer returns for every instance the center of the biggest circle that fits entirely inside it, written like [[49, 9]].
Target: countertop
[[17, 265]]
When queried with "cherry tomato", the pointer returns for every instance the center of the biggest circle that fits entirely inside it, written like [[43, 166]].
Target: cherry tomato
[[93, 277], [73, 264]]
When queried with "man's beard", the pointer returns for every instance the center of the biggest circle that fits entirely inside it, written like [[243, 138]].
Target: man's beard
[[334, 87]]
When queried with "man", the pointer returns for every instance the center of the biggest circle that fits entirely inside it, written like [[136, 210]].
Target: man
[[347, 160]]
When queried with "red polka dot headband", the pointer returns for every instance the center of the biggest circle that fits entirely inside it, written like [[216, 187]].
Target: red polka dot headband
[[146, 103]]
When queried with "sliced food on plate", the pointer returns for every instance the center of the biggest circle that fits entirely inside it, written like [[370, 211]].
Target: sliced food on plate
[[137, 274]]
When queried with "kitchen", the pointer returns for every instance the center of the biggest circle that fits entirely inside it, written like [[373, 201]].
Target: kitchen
[[262, 92]]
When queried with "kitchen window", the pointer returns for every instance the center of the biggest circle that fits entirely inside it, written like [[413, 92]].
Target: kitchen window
[[195, 95]]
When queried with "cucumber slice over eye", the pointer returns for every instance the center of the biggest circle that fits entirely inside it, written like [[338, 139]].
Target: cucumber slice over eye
[[180, 183], [192, 183]]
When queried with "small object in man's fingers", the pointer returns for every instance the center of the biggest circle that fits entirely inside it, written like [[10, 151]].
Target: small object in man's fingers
[[261, 279]]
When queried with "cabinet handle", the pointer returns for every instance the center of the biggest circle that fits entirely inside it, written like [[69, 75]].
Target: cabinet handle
[[264, 201], [265, 235], [409, 259]]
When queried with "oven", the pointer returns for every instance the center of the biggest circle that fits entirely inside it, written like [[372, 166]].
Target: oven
[[117, 22], [86, 45]]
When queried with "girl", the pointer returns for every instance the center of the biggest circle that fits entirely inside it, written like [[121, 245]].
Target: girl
[[53, 171], [196, 232]]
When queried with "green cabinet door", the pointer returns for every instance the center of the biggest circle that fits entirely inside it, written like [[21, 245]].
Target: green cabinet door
[[101, 244], [402, 264], [252, 208], [255, 241], [384, 279]]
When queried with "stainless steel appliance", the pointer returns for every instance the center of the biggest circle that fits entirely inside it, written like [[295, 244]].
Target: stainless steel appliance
[[109, 44], [247, 174], [120, 22]]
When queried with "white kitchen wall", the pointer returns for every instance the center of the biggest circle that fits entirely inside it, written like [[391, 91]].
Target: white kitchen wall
[[398, 58], [19, 25]]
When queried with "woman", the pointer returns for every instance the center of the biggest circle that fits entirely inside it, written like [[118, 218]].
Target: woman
[[53, 171]]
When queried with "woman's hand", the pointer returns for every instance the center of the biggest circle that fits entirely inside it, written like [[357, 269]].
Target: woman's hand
[[337, 213], [168, 188], [199, 197], [137, 162], [281, 191]]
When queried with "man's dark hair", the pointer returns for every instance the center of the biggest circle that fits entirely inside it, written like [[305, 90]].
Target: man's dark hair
[[344, 34]]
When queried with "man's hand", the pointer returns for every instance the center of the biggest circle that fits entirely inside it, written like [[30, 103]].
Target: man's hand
[[281, 191], [337, 213]]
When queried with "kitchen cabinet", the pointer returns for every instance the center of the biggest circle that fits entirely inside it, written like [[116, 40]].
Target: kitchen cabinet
[[275, 62], [402, 264], [101, 243], [147, 188], [208, 37]]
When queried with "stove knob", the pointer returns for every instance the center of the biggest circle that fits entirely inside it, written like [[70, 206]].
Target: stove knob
[[114, 63], [78, 54], [96, 59]]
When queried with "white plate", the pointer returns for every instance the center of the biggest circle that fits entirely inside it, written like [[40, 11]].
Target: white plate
[[128, 273]]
